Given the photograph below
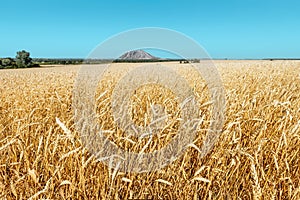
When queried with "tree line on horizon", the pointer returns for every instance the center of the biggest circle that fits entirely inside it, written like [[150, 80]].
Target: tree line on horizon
[[22, 60]]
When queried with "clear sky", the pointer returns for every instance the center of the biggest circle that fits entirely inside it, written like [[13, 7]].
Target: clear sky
[[225, 28]]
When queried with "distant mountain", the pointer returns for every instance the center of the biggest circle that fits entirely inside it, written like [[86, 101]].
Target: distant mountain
[[137, 55]]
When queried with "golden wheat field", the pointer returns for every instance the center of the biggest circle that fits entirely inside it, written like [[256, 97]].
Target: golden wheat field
[[256, 157]]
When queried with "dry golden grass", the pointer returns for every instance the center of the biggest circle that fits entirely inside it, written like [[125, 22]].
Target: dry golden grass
[[257, 156]]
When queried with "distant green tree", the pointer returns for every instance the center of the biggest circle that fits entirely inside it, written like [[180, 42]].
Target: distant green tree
[[23, 59], [7, 63]]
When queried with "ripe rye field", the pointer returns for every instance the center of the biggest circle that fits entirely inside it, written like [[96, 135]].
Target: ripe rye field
[[256, 157]]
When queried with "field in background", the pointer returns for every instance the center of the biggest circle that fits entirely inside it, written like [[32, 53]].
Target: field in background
[[257, 156]]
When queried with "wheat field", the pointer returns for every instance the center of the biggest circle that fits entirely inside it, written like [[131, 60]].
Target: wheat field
[[256, 157]]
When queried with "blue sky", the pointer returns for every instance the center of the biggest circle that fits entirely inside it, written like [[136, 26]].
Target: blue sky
[[225, 28]]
